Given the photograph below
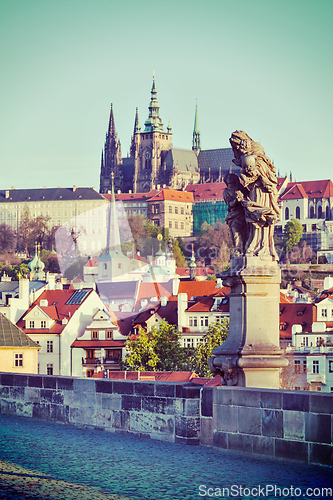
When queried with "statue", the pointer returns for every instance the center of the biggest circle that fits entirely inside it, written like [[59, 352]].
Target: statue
[[234, 195], [260, 206]]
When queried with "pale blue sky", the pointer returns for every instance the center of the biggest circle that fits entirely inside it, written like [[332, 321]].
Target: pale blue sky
[[261, 66]]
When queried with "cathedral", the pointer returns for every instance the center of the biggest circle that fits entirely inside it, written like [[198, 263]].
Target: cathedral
[[154, 161]]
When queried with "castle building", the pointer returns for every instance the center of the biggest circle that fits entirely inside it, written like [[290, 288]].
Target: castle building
[[154, 161]]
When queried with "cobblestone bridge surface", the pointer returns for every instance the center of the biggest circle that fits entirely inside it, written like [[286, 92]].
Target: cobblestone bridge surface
[[43, 460]]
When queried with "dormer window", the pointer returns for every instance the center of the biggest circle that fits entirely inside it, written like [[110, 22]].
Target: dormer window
[[109, 334], [43, 324], [94, 335], [31, 324]]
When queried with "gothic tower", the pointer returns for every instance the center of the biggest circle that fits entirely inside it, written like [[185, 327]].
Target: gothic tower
[[196, 133], [149, 147], [111, 161]]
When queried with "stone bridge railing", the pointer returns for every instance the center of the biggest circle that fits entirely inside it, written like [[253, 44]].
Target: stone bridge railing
[[287, 425]]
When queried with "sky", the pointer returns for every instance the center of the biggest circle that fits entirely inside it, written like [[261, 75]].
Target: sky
[[261, 66]]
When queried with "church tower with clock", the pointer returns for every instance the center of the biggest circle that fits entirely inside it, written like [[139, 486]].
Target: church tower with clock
[[149, 148]]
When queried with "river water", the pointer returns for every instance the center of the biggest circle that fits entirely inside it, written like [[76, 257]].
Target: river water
[[45, 460]]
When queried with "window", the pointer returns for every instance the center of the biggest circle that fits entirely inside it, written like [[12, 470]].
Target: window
[[298, 213], [43, 324], [286, 213], [109, 334], [170, 210], [49, 369], [49, 346], [304, 366], [176, 210], [31, 324], [18, 360], [324, 313], [176, 225], [182, 210], [182, 225], [330, 366], [94, 335], [297, 366], [315, 366], [305, 341], [170, 224]]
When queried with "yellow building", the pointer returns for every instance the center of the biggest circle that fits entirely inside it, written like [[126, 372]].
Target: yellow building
[[18, 353]]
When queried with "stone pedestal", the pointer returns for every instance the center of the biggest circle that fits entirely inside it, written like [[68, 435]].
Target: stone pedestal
[[251, 356]]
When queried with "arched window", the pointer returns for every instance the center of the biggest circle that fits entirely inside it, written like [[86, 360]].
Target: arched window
[[320, 212], [286, 213], [311, 212], [327, 216], [298, 213]]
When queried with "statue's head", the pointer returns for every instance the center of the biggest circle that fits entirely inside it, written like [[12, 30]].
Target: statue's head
[[232, 180]]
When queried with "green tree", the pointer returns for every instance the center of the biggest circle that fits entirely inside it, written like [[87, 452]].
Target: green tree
[[32, 230], [7, 238], [214, 244], [178, 254], [292, 234], [157, 349], [214, 336]]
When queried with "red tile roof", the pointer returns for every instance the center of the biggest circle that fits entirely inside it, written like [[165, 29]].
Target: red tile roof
[[210, 191], [132, 196], [206, 303], [172, 195], [200, 271], [197, 288], [57, 309], [294, 192], [314, 189], [147, 290], [97, 344], [296, 314]]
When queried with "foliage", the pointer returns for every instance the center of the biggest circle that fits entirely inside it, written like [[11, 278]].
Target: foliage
[[14, 271], [32, 230], [292, 233], [7, 238], [50, 260], [178, 254], [214, 336], [214, 244], [155, 349]]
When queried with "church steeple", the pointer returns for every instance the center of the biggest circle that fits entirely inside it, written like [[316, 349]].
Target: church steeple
[[112, 161], [154, 122], [136, 131], [196, 133]]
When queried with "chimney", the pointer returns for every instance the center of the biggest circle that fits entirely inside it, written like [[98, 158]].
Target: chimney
[[13, 187], [74, 189], [7, 194], [119, 191], [130, 191], [164, 301], [182, 306]]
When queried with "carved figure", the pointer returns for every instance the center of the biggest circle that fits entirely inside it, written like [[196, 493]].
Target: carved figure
[[233, 195], [260, 208]]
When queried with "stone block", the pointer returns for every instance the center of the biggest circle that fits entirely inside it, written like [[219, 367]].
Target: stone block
[[116, 419], [222, 395], [291, 450], [123, 387], [32, 394], [8, 407], [112, 402], [226, 418], [318, 428], [125, 420], [104, 418], [321, 403], [152, 424], [84, 385], [167, 406], [240, 443], [59, 413], [187, 441], [206, 431], [187, 391], [263, 445], [41, 411], [7, 378], [4, 392], [293, 425], [46, 395], [296, 400], [271, 399], [321, 454], [144, 388], [249, 420], [35, 381], [24, 409], [220, 439], [272, 422], [207, 402], [246, 397], [65, 383], [20, 380], [165, 390], [129, 402], [49, 382], [84, 399], [105, 386], [17, 393], [190, 407], [187, 427], [82, 416], [58, 397]]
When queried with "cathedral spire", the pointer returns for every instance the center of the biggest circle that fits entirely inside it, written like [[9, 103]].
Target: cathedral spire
[[196, 133], [136, 131], [154, 122], [112, 129]]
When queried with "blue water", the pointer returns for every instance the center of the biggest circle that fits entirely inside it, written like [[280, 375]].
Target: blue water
[[144, 469]]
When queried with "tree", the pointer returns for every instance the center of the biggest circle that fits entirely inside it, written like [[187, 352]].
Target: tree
[[7, 238], [214, 244], [32, 230], [155, 349], [214, 336], [292, 234], [178, 254]]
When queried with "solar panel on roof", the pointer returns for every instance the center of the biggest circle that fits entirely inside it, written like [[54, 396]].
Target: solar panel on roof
[[77, 297]]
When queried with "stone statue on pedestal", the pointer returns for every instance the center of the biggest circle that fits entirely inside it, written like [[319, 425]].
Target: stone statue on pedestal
[[251, 355]]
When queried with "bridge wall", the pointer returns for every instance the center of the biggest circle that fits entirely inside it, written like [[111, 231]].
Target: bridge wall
[[282, 425]]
